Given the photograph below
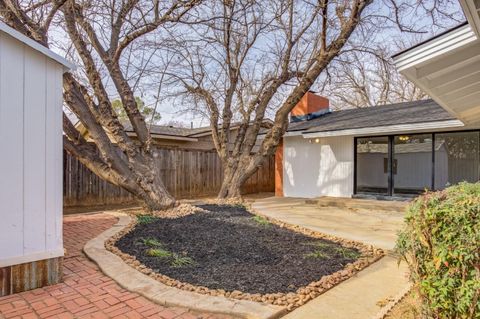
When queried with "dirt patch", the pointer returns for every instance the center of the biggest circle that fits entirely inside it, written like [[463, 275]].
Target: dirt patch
[[226, 250], [229, 248]]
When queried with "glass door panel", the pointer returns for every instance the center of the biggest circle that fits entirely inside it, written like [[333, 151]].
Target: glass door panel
[[456, 158], [412, 163], [372, 165]]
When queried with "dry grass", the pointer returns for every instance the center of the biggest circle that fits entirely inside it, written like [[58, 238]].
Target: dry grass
[[407, 308]]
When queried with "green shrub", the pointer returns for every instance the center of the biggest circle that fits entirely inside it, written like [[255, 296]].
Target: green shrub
[[441, 245]]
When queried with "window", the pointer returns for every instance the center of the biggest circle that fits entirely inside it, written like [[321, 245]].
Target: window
[[456, 158]]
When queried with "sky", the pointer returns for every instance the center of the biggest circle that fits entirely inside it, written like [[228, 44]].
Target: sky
[[173, 108]]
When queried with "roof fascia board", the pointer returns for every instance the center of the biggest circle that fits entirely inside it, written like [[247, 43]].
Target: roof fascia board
[[436, 47], [36, 46], [168, 137], [472, 14], [400, 128]]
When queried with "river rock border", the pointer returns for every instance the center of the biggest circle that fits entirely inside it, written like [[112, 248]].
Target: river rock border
[[137, 281], [290, 300]]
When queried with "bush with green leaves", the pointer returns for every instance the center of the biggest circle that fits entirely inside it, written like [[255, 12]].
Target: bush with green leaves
[[441, 245]]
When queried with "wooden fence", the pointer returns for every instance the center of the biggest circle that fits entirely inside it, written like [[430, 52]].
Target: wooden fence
[[186, 174]]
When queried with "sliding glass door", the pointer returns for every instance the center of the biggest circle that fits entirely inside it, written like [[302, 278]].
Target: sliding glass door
[[412, 163], [372, 165]]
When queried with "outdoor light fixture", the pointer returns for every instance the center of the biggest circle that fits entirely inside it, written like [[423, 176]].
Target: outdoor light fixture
[[317, 140]]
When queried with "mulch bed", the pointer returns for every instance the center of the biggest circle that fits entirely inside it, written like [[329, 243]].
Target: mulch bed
[[226, 250]]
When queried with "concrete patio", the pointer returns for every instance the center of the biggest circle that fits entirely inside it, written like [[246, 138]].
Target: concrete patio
[[368, 221]]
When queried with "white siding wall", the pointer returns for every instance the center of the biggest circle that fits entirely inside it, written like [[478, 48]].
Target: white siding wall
[[30, 154], [318, 169]]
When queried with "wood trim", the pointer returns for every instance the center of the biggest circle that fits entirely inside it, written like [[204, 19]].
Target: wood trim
[[279, 170], [32, 275], [31, 257]]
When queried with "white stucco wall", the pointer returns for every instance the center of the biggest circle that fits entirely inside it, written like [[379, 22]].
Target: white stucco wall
[[318, 169], [31, 154]]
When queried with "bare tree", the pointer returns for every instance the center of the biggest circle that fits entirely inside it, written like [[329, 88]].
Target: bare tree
[[363, 79], [263, 56], [254, 55], [98, 33]]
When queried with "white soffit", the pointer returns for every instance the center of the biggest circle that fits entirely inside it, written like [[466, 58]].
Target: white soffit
[[448, 69], [471, 8]]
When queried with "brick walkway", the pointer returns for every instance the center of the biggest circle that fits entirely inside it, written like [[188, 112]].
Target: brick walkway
[[86, 292]]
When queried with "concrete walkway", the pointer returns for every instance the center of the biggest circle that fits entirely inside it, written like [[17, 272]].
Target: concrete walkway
[[360, 296]]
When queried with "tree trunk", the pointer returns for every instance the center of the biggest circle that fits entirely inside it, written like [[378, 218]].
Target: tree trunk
[[231, 186], [156, 197], [235, 176]]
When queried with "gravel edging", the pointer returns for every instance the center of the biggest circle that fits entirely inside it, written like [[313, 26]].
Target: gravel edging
[[388, 307], [290, 301], [134, 279]]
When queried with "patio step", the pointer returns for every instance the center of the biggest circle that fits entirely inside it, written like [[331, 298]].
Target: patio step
[[356, 203]]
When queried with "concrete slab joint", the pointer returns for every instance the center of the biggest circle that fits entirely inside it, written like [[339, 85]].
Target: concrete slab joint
[[133, 280]]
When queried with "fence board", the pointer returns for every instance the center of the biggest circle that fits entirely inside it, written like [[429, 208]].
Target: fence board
[[186, 174]]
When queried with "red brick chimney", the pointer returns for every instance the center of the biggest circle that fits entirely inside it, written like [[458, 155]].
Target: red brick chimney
[[310, 106]]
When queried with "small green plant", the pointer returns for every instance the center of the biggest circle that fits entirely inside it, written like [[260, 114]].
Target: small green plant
[[440, 243], [152, 242], [261, 220], [179, 261], [145, 219], [158, 252], [317, 255], [347, 252]]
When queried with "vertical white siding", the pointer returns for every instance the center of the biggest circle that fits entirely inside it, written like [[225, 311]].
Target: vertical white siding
[[318, 169], [11, 146], [31, 154]]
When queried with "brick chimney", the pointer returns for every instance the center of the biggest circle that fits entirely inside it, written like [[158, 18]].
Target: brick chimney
[[310, 106]]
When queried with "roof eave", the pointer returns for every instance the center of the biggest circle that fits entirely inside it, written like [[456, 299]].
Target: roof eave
[[472, 13], [387, 129], [37, 46]]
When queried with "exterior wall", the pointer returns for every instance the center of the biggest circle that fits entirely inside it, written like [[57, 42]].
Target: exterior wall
[[318, 169], [31, 154]]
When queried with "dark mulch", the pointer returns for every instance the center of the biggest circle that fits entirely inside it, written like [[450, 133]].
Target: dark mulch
[[233, 250]]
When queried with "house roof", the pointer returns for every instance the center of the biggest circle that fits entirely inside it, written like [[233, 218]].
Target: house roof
[[376, 116], [168, 131], [36, 46]]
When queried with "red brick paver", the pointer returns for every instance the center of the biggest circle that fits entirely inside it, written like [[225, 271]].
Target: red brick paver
[[86, 292]]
